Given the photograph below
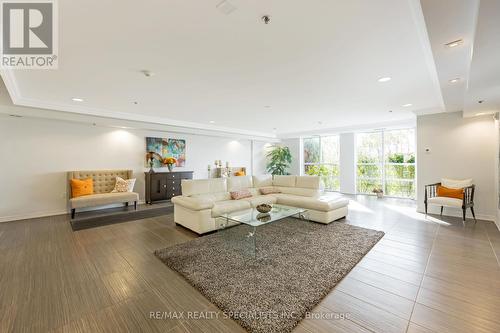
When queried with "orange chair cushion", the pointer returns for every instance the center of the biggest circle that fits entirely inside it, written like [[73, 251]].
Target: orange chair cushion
[[239, 173], [450, 192], [81, 187]]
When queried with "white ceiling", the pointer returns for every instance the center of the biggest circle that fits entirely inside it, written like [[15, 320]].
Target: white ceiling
[[475, 62], [317, 61]]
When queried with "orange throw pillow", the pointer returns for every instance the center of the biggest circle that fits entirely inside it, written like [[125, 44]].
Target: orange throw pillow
[[81, 187], [450, 192], [239, 173]]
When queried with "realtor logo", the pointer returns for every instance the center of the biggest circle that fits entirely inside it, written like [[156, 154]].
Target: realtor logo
[[29, 38]]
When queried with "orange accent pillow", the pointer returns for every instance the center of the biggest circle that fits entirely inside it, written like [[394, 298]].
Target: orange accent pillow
[[239, 173], [81, 187], [450, 192]]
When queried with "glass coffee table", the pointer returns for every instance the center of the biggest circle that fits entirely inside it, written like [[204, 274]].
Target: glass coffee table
[[253, 219]]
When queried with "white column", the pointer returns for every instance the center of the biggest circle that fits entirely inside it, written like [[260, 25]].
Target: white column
[[347, 163]]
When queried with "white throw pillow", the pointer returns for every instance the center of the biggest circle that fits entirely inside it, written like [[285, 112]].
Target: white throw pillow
[[124, 185], [456, 183]]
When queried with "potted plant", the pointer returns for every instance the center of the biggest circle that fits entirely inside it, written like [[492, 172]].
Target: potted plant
[[279, 160], [379, 192], [170, 162]]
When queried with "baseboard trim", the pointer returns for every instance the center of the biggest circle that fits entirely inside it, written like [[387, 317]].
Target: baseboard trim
[[34, 215]]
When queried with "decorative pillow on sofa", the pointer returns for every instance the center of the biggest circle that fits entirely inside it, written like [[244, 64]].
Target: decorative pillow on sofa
[[124, 185], [81, 187], [269, 190], [456, 193], [241, 194]]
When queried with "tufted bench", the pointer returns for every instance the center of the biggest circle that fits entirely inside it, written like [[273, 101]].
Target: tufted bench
[[104, 183]]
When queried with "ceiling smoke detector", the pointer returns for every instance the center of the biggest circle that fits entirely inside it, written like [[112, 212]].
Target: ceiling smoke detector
[[147, 73], [266, 19]]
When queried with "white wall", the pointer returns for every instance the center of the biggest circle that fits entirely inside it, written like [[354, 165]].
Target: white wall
[[36, 154], [295, 146], [259, 160], [460, 148]]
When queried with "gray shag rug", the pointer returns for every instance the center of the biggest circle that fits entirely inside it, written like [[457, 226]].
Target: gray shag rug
[[298, 263]]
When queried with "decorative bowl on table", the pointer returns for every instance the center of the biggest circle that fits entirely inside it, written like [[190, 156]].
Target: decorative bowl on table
[[264, 217], [264, 208]]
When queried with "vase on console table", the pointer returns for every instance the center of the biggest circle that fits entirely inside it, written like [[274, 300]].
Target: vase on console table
[[170, 167]]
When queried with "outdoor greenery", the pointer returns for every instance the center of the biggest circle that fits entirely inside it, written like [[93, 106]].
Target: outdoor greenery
[[279, 160], [328, 174], [389, 154], [321, 158]]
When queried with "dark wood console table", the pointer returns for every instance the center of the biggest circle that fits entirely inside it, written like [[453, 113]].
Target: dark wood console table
[[164, 185]]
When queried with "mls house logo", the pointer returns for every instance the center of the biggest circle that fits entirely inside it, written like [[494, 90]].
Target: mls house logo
[[29, 34]]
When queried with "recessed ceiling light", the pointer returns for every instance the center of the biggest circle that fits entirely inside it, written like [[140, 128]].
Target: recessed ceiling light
[[135, 102], [212, 121], [454, 43], [267, 106], [384, 79], [390, 111], [455, 80], [275, 129], [480, 101], [407, 105], [76, 99]]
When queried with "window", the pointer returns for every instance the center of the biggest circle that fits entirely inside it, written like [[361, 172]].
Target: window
[[386, 160], [321, 158]]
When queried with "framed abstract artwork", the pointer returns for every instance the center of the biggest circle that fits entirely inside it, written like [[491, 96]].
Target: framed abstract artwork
[[175, 148]]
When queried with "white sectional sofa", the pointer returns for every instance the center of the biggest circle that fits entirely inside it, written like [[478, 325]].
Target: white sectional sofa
[[206, 199]]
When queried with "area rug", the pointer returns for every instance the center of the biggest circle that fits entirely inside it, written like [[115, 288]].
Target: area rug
[[297, 265]]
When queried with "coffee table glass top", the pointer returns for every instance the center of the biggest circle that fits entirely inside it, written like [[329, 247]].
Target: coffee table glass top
[[252, 217]]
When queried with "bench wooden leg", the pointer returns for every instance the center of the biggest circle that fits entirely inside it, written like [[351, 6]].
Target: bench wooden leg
[[135, 205], [73, 211], [126, 204]]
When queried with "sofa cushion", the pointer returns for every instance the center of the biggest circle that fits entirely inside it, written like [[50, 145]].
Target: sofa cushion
[[193, 203], [203, 186], [305, 192], [456, 183], [218, 196], [103, 199], [445, 201], [261, 199], [239, 183], [262, 181], [308, 182], [229, 206], [324, 203], [288, 181], [269, 190]]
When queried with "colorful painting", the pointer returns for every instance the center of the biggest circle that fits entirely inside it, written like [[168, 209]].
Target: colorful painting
[[175, 148]]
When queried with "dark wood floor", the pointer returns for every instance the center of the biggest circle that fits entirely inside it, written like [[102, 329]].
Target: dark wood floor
[[424, 276]]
